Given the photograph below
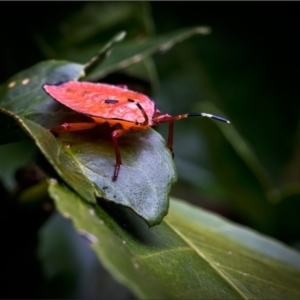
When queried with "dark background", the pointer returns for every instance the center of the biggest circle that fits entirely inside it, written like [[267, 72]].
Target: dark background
[[252, 61], [271, 29]]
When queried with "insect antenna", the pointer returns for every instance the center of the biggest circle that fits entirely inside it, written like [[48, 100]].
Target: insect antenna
[[167, 118], [170, 119], [207, 115]]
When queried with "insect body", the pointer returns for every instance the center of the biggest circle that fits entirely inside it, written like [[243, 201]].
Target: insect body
[[124, 110]]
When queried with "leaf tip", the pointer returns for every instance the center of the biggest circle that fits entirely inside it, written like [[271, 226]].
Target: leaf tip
[[203, 30], [120, 36]]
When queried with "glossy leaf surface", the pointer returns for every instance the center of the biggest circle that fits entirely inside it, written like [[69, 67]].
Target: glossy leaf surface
[[192, 254], [85, 160]]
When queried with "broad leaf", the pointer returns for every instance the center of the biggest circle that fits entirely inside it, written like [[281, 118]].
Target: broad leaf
[[85, 160], [23, 95], [192, 254], [91, 25], [132, 52], [243, 149]]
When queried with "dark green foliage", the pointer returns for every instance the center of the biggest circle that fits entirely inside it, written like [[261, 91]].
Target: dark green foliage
[[248, 171]]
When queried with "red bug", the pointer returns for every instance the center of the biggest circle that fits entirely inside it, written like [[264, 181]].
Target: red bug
[[124, 110]]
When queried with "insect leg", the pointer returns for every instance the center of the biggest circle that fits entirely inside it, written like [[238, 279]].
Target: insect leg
[[73, 127], [170, 137], [115, 135]]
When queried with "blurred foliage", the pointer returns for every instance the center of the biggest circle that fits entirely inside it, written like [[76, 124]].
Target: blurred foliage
[[246, 70], [249, 70], [189, 253]]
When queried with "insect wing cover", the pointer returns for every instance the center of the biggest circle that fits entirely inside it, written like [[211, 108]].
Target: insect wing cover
[[102, 100]]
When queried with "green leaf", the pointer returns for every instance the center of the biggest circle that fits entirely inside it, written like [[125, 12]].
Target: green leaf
[[132, 52], [85, 160], [22, 94], [243, 149], [86, 31], [191, 254]]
